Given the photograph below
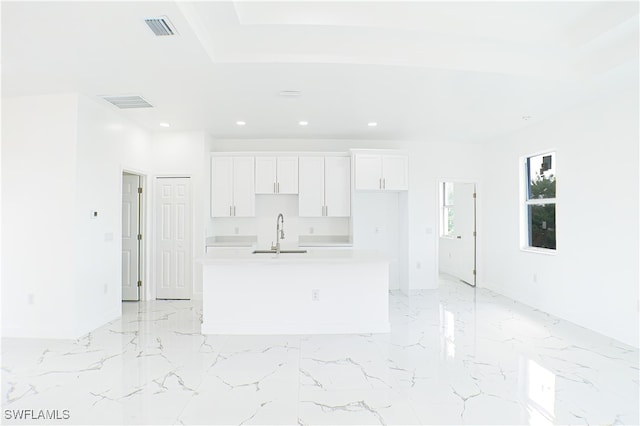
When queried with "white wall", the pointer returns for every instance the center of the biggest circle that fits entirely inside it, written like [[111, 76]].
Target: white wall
[[38, 232], [103, 138], [62, 159], [592, 280]]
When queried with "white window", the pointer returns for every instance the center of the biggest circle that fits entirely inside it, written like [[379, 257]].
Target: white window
[[447, 224], [540, 201]]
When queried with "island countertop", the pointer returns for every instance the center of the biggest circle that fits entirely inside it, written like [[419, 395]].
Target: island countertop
[[245, 255]]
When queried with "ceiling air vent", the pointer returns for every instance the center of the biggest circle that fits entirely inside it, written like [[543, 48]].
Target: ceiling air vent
[[161, 26], [125, 102]]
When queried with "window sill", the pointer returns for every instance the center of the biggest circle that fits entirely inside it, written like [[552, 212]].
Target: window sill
[[548, 252]]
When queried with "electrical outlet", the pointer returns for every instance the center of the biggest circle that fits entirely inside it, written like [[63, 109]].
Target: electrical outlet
[[311, 230], [535, 278], [31, 298], [315, 295], [106, 288], [236, 230], [418, 265], [376, 230]]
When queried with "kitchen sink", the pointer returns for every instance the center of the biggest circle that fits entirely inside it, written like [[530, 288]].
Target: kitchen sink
[[281, 251]]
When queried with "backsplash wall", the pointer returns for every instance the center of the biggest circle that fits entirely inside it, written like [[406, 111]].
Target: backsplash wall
[[263, 225]]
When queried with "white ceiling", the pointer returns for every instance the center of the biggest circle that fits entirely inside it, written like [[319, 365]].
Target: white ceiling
[[433, 71]]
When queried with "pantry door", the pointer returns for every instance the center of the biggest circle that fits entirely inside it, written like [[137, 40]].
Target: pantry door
[[173, 238]]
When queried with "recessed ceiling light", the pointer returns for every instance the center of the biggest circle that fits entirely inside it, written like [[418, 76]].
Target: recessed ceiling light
[[165, 125], [303, 123], [290, 93], [372, 124], [240, 123]]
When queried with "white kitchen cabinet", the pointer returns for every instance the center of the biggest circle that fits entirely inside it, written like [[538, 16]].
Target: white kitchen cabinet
[[381, 172], [325, 186], [276, 175], [232, 186]]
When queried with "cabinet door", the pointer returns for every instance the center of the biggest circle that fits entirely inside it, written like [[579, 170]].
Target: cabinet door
[[221, 186], [265, 175], [395, 172], [368, 171], [337, 186], [243, 187], [287, 181], [311, 188]]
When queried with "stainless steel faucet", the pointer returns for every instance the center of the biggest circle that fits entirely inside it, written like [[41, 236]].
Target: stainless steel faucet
[[279, 233]]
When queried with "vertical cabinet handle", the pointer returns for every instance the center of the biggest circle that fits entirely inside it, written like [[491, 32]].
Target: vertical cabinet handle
[[326, 210], [384, 183], [274, 187], [278, 186], [380, 183], [230, 211], [234, 210]]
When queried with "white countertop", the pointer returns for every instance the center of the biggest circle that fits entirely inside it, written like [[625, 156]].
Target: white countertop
[[245, 256], [233, 241]]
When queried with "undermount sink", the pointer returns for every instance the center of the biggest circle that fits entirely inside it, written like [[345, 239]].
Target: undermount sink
[[281, 251]]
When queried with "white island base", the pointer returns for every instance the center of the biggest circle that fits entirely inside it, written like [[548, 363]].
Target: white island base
[[324, 291]]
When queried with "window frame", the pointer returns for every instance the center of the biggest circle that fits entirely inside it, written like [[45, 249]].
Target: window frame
[[444, 208], [526, 202]]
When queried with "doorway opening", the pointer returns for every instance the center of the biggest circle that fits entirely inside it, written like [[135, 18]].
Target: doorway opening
[[132, 236], [458, 234]]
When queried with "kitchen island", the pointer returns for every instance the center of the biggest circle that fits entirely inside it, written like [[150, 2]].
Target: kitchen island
[[321, 291]]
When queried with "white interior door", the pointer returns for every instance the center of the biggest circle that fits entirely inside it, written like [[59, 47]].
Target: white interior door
[[173, 238], [130, 241], [464, 263]]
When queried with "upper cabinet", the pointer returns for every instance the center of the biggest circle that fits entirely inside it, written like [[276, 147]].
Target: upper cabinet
[[381, 172], [232, 186], [276, 175], [325, 186]]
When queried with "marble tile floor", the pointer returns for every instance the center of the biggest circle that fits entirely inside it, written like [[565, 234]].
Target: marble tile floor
[[455, 355]]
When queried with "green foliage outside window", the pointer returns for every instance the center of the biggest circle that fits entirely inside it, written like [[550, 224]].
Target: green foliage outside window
[[542, 216]]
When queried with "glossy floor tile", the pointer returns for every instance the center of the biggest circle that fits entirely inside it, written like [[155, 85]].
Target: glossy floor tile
[[455, 355]]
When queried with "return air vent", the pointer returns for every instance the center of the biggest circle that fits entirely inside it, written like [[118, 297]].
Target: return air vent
[[125, 102], [161, 26]]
